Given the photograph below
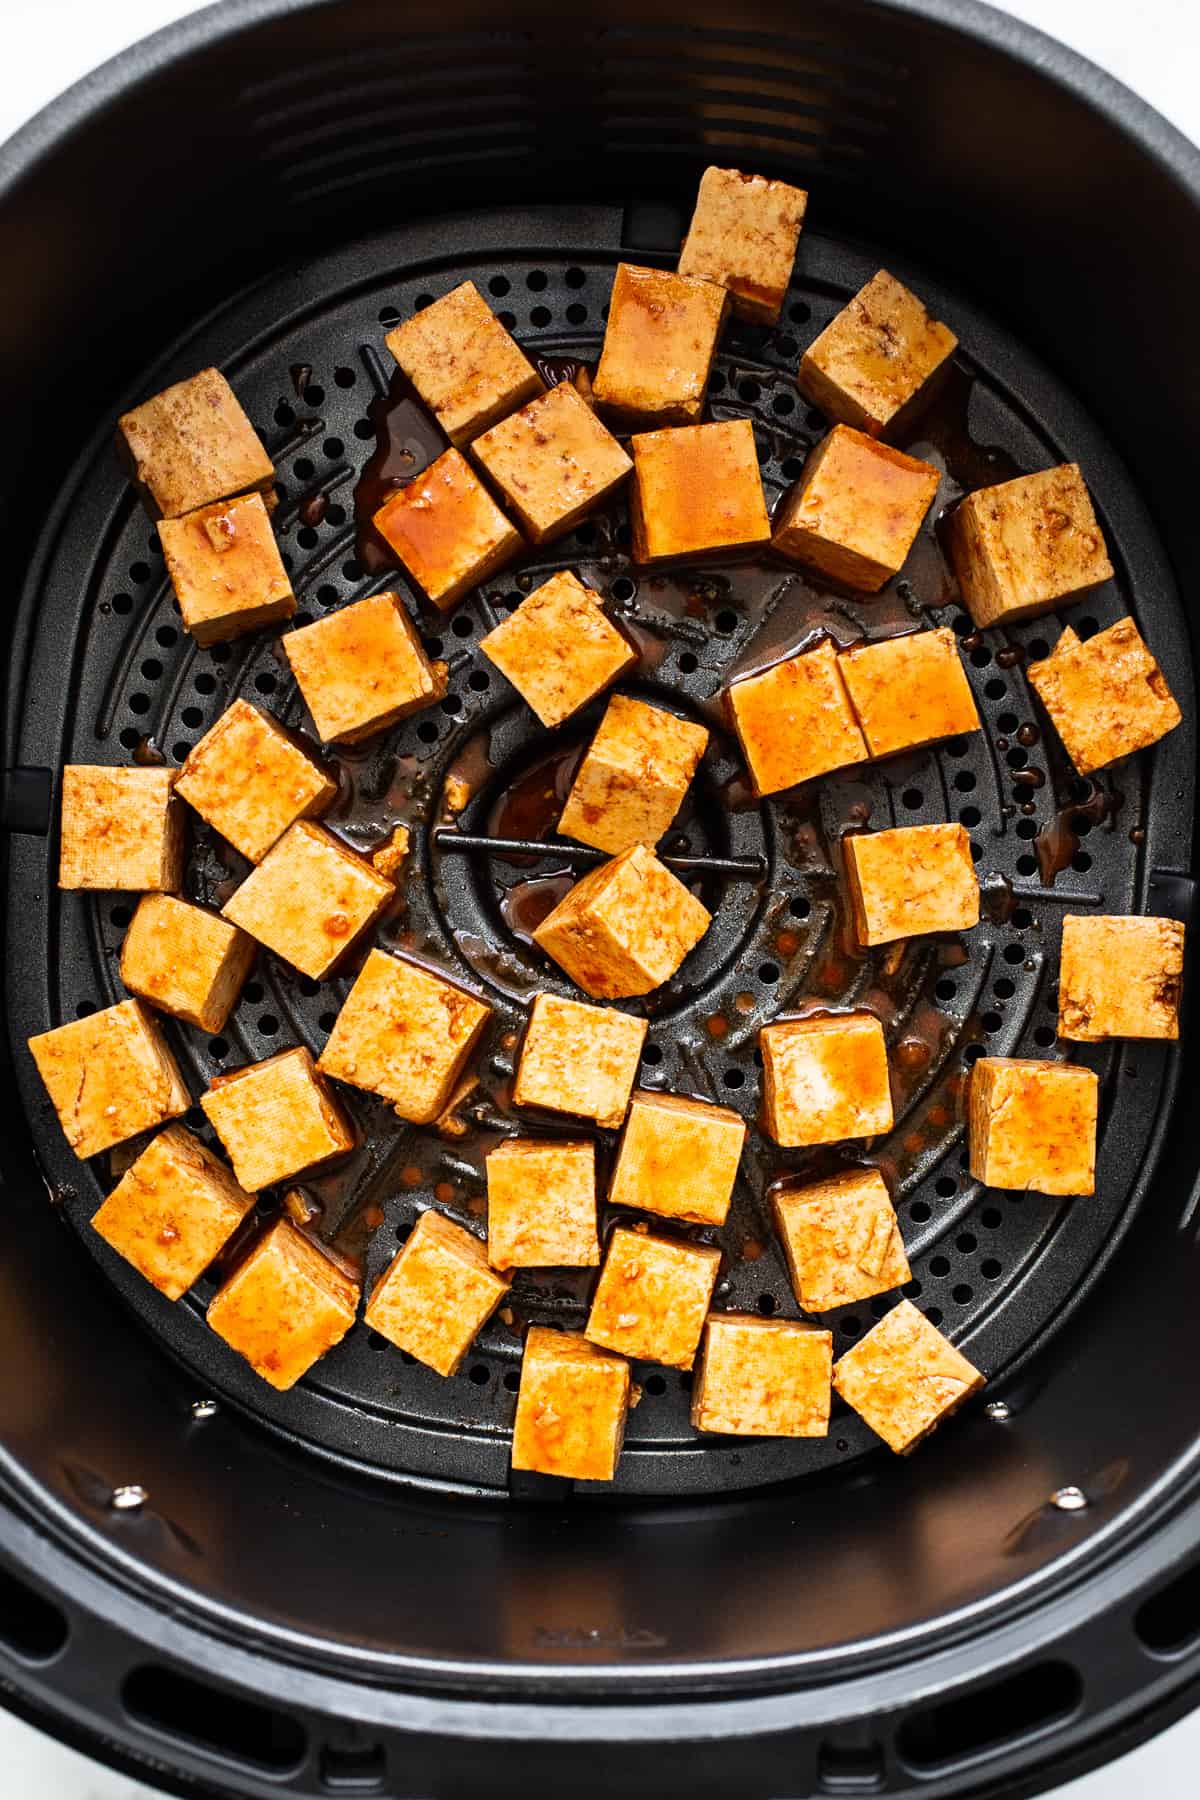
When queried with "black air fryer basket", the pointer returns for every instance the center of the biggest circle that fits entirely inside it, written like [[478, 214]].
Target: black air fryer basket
[[341, 1590]]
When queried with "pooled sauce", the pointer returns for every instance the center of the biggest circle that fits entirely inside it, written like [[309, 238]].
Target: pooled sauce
[[312, 509], [301, 374], [524, 905], [532, 806], [1059, 840], [147, 754], [554, 370], [406, 442]]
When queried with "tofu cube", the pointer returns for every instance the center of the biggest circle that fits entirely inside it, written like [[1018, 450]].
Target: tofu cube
[[634, 778], [825, 1078], [579, 1059], [558, 649], [226, 569], [904, 1378], [463, 363], [1106, 696], [652, 1298], [855, 510], [1025, 545], [909, 691], [122, 829], [250, 781], [447, 531], [875, 363], [625, 928], [309, 899], [192, 444], [553, 462], [1032, 1125], [277, 1118], [678, 1157], [185, 960], [743, 236], [392, 854], [841, 1238], [571, 1408], [109, 1076], [172, 1211], [405, 1032], [697, 491], [362, 669], [908, 882], [1119, 978], [658, 349], [285, 1306], [763, 1378], [542, 1204], [436, 1294], [795, 720]]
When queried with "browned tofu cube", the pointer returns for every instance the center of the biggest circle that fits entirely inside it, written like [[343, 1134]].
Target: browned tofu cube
[[1106, 696], [678, 1157], [578, 1059], [625, 928], [193, 444], [285, 1306], [447, 531], [795, 721], [571, 1408], [697, 491], [553, 462], [436, 1294], [825, 1078], [911, 881], [226, 569], [392, 854], [904, 1378], [658, 349], [109, 1076], [1119, 978], [250, 781], [277, 1118], [841, 1238], [909, 691], [855, 510], [172, 1211], [743, 236], [185, 960], [1033, 1125], [559, 649], [309, 899], [1023, 546], [763, 1378], [875, 363], [652, 1298], [463, 363], [363, 668], [635, 775], [542, 1204], [121, 829]]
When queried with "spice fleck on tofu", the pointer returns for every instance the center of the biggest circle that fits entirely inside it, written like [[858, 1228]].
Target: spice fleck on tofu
[[249, 781], [185, 960], [1033, 1125], [1027, 545], [855, 510], [878, 360], [553, 462], [795, 720], [825, 1078], [109, 1076], [285, 1306], [173, 1209], [571, 1408], [122, 830], [625, 928], [841, 1238], [436, 1294], [909, 691], [652, 1298], [659, 344], [578, 1059], [226, 569], [678, 1157], [697, 491], [542, 1204], [1106, 696], [193, 444], [1119, 978], [463, 363], [904, 1378], [634, 778], [763, 1378], [447, 531], [559, 650], [309, 899], [911, 881], [277, 1118], [362, 669], [743, 236]]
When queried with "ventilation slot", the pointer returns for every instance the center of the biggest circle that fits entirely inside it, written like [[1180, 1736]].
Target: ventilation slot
[[353, 1771], [990, 1716], [29, 1625], [214, 1719], [850, 1768], [1170, 1620]]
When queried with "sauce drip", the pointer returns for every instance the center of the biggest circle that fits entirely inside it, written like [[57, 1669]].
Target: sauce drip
[[406, 442], [527, 903], [1058, 841]]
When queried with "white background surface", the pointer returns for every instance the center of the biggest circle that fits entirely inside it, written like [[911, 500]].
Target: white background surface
[[1154, 46]]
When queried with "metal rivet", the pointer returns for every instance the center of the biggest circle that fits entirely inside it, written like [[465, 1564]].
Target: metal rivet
[[1069, 1499], [128, 1498], [998, 1410], [204, 1409]]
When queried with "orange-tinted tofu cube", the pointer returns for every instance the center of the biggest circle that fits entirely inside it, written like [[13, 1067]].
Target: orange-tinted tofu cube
[[795, 720], [309, 899], [250, 781], [855, 510], [1033, 1125], [463, 363], [634, 778], [122, 829], [652, 1298], [447, 531], [1106, 696], [658, 349], [558, 649], [909, 691], [277, 1118], [578, 1059], [284, 1306], [1023, 546], [193, 444], [542, 1204], [185, 960], [763, 1378], [109, 1076], [875, 363], [841, 1238], [743, 236], [625, 928], [1119, 978], [571, 1408], [678, 1157], [904, 1378], [553, 462], [362, 669], [697, 491], [436, 1294], [825, 1078], [910, 881], [226, 569], [172, 1211]]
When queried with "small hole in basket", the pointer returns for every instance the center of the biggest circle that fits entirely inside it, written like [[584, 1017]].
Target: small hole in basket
[[966, 1241], [1022, 918], [265, 682], [716, 381], [307, 538], [688, 664], [507, 319], [122, 603], [427, 732], [946, 989], [964, 781], [767, 1304], [284, 415], [327, 1021], [1027, 828], [1014, 953], [799, 907], [934, 1315], [576, 313], [450, 704], [205, 683], [219, 1048], [769, 973], [1043, 1037], [734, 1078], [479, 680], [749, 391], [989, 1268], [120, 915], [151, 669], [303, 468], [1027, 865], [388, 315], [655, 1384], [1081, 862], [85, 1009], [540, 316], [181, 751], [344, 377], [995, 689], [792, 468], [783, 404], [962, 1294], [333, 448], [991, 1023], [192, 717], [652, 1055], [422, 301], [268, 1024], [945, 1186], [622, 588], [129, 739], [512, 1380], [726, 621], [912, 798], [981, 656], [480, 1374], [139, 703], [991, 1218], [364, 431], [919, 1211], [1017, 757], [970, 816], [972, 1053], [799, 312]]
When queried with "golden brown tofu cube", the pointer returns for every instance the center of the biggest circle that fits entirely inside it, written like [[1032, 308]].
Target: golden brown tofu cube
[[193, 444], [553, 462], [763, 1378], [825, 1078], [121, 829], [571, 1408], [1033, 1125], [652, 1298], [285, 1306], [678, 1157], [392, 854], [109, 1076], [250, 781], [579, 1059], [1106, 696], [447, 531], [875, 363], [463, 363], [363, 668], [558, 649], [542, 1204], [172, 1211], [1119, 978], [634, 778], [697, 491], [277, 1118], [226, 569], [743, 236], [1025, 545], [909, 691], [841, 1238], [309, 899], [659, 344], [436, 1294], [855, 510], [904, 1378], [795, 721], [911, 881], [185, 960], [625, 928]]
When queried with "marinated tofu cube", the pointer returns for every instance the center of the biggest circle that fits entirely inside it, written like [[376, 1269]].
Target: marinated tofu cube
[[276, 1118], [249, 781], [542, 1204], [1119, 978], [436, 1295], [1033, 1125], [109, 1076], [659, 345], [579, 1059], [553, 462], [678, 1157], [625, 928], [904, 1378], [855, 510], [878, 360], [571, 1408], [1106, 696], [172, 1211], [697, 491], [825, 1078], [463, 363], [226, 569], [192, 444], [558, 649], [795, 721], [447, 531], [911, 881], [392, 854], [841, 1238], [185, 960], [763, 1378], [1023, 546], [285, 1306], [363, 668], [743, 236], [634, 778], [909, 691], [309, 899], [652, 1298], [121, 829]]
